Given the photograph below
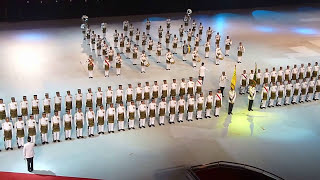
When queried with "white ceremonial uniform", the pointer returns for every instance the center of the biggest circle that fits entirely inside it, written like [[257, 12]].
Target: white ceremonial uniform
[[251, 76], [217, 37], [13, 107], [217, 103], [273, 95], [121, 110], [202, 71], [142, 115], [308, 72], [164, 90], [190, 105], [310, 90], [152, 113], [200, 31], [155, 92], [7, 129], [143, 60], [317, 92], [109, 97], [301, 73], [288, 93], [207, 49], [137, 37], [280, 94], [44, 129], [172, 108], [131, 114], [79, 99], [138, 95], [173, 89], [198, 87], [315, 71], [129, 93], [280, 76], [194, 58], [24, 107], [169, 60], [222, 83], [57, 103], [296, 92], [128, 49], [190, 88], [182, 108], [3, 112], [90, 116], [106, 67], [89, 97], [111, 112], [118, 64], [244, 83], [175, 45], [20, 127], [150, 44], [266, 77], [68, 100], [209, 104], [146, 94], [219, 55], [135, 52], [294, 75], [182, 88], [101, 114], [304, 88], [199, 106], [162, 112], [79, 123], [241, 50], [55, 121], [228, 43], [47, 103], [119, 94], [181, 29], [287, 75], [264, 96], [159, 49], [99, 97], [31, 125], [67, 119]]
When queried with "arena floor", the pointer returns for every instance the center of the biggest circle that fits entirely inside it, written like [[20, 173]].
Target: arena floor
[[44, 56]]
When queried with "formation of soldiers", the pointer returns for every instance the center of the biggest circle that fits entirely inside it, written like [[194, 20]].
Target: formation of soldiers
[[129, 44]]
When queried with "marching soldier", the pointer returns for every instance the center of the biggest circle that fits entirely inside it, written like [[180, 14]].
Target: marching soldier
[[189, 34], [266, 77], [209, 104], [175, 44], [207, 49], [79, 121], [251, 78], [125, 27], [118, 64], [131, 29], [144, 62], [202, 71], [79, 99], [217, 37], [294, 74], [57, 102], [301, 72], [258, 81], [182, 107], [186, 21], [308, 71], [144, 41], [101, 115], [219, 55], [68, 100], [155, 91], [35, 107], [44, 128], [110, 113], [168, 36], [159, 49], [280, 75], [122, 39], [135, 51], [164, 89], [109, 96], [169, 59], [162, 111], [241, 50], [99, 96], [287, 74], [110, 55], [251, 96], [195, 57], [173, 88], [152, 112], [137, 36], [83, 28], [128, 48], [13, 110], [232, 99], [315, 70], [288, 93], [67, 121], [280, 94], [138, 95], [93, 40], [142, 114], [194, 26], [310, 89], [89, 103], [172, 106], [121, 111], [150, 43], [199, 86], [7, 133], [181, 29], [317, 93], [200, 30], [105, 48], [119, 95], [90, 62], [222, 82], [3, 113], [182, 87], [88, 32], [217, 103], [20, 132], [273, 75], [24, 108], [197, 41], [264, 96], [190, 86], [160, 30], [190, 105], [148, 26], [273, 92], [55, 126], [244, 82], [228, 43], [129, 93], [47, 105], [200, 101], [209, 34], [304, 87], [104, 29], [32, 129], [296, 92], [146, 93], [184, 51], [91, 121], [99, 41], [131, 113]]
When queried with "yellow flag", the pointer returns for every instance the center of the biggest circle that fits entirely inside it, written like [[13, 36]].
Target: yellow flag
[[234, 78]]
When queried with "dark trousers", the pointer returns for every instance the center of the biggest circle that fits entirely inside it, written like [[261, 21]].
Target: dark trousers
[[250, 105], [230, 108], [30, 164], [222, 89]]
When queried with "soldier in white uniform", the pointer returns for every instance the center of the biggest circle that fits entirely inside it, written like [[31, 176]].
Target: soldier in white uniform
[[162, 111], [209, 104], [200, 30], [164, 90], [294, 75], [131, 29], [121, 111], [185, 50], [169, 59], [47, 105], [315, 70], [13, 110], [109, 96], [308, 71], [160, 31], [219, 55], [152, 112], [190, 105], [189, 36], [79, 122], [168, 36], [243, 82], [198, 86], [304, 87], [68, 101], [3, 113], [280, 76], [195, 57], [209, 34], [138, 94], [150, 46], [104, 29], [57, 102], [258, 81], [173, 88], [67, 122], [129, 94], [252, 94], [89, 99], [310, 90], [146, 93], [181, 108], [194, 26], [110, 55], [175, 44], [101, 116], [125, 27], [20, 132], [148, 26], [155, 91], [251, 78], [35, 107], [317, 92], [222, 82], [83, 28], [301, 72], [181, 29], [217, 103], [7, 133], [106, 66], [56, 126], [118, 64], [93, 40], [128, 49], [44, 128], [135, 51], [264, 96], [119, 95], [79, 99], [296, 92], [231, 100], [159, 50], [202, 71], [172, 107], [190, 86], [142, 114], [90, 63], [110, 113], [182, 87], [228, 43], [91, 121], [24, 108], [144, 61], [131, 114], [99, 96], [143, 41], [137, 36], [266, 77], [99, 42], [280, 94], [273, 94], [288, 93], [105, 48], [241, 50], [287, 74], [197, 42], [207, 49], [122, 39], [32, 129], [199, 106], [217, 37]]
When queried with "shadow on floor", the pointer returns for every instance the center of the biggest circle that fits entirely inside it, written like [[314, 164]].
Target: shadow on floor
[[43, 172]]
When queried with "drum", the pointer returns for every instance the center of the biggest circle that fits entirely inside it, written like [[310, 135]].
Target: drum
[[147, 64]]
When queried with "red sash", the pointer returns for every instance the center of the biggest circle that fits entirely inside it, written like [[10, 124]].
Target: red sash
[[218, 97], [107, 62], [244, 76], [199, 82], [266, 89], [90, 62]]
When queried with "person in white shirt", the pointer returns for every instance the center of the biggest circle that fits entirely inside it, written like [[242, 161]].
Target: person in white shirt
[[68, 101], [258, 81], [129, 93], [287, 74], [241, 50], [91, 121], [200, 30], [56, 126], [20, 132], [310, 90], [266, 77], [3, 113], [251, 95], [217, 37], [280, 94], [118, 64], [190, 86], [79, 121], [121, 111], [218, 103], [44, 128], [146, 93], [207, 49], [131, 29], [231, 100], [264, 96], [131, 114], [301, 72], [243, 82], [222, 82], [308, 71], [162, 111], [182, 87], [195, 57], [106, 66], [173, 88], [128, 48], [109, 97], [288, 93], [101, 116], [148, 26], [168, 24], [89, 99], [296, 92], [164, 89], [198, 86], [135, 51], [28, 154], [7, 133], [67, 121], [190, 105], [32, 129], [119, 94], [142, 114], [99, 97], [219, 55], [90, 63], [110, 113], [181, 29], [144, 61], [138, 94], [294, 73], [47, 105], [137, 36], [159, 50], [150, 46], [57, 103], [24, 108], [181, 108], [304, 87], [228, 43], [209, 104], [202, 71], [169, 60], [280, 76], [104, 29], [317, 92], [175, 44], [273, 94], [199, 106], [13, 110], [79, 99], [251, 78], [315, 70], [152, 112], [172, 107], [155, 91]]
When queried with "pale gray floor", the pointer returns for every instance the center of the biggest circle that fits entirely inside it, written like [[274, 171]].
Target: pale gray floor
[[43, 56]]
